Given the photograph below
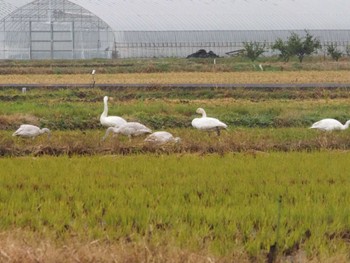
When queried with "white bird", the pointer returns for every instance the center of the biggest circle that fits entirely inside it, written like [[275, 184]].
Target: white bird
[[30, 131], [110, 121], [161, 137], [129, 129], [330, 125], [207, 123]]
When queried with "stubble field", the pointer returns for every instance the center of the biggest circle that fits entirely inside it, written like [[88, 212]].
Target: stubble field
[[281, 77]]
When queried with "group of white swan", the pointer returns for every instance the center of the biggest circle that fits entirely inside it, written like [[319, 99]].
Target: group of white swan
[[118, 125]]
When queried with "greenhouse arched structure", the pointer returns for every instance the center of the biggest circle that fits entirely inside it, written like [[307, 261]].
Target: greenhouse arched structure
[[84, 29], [56, 29]]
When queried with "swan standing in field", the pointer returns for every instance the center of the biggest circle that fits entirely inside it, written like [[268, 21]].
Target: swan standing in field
[[110, 121], [129, 129], [30, 131], [330, 125], [207, 123], [161, 137]]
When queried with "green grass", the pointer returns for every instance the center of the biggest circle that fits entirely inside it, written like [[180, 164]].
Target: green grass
[[279, 123], [220, 204], [70, 109]]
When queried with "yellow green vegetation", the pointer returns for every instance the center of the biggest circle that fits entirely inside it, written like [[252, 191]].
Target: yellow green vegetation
[[219, 205]]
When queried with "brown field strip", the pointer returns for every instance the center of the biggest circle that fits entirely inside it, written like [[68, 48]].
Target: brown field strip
[[185, 78]]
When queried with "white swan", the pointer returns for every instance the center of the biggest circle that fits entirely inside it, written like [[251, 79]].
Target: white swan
[[330, 125], [161, 137], [30, 131], [110, 121], [129, 129], [207, 123]]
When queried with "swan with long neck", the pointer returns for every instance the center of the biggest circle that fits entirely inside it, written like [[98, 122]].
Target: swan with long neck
[[129, 129], [110, 121], [330, 125], [30, 131], [207, 123]]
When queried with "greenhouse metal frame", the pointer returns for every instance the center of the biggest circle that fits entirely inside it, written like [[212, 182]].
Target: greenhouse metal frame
[[55, 29], [64, 29]]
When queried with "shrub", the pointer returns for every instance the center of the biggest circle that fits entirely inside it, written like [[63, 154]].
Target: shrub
[[347, 50], [333, 51], [297, 46], [253, 49]]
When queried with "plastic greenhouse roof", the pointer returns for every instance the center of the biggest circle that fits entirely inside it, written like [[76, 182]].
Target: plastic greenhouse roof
[[5, 8], [163, 15]]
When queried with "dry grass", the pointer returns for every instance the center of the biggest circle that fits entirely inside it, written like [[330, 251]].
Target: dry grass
[[186, 77], [21, 246], [25, 247], [246, 140], [7, 120]]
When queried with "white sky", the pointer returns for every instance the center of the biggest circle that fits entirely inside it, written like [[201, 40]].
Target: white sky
[[215, 14]]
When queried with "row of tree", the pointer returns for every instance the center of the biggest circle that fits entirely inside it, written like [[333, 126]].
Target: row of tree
[[295, 45]]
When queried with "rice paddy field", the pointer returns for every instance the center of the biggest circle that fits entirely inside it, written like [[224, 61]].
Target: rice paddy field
[[267, 190]]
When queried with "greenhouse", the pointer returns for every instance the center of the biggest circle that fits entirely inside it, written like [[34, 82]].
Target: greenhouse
[[85, 29]]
